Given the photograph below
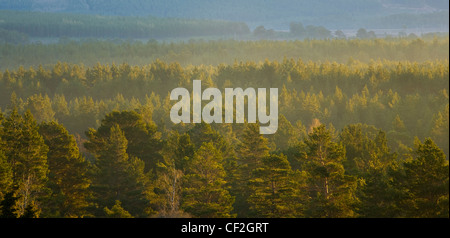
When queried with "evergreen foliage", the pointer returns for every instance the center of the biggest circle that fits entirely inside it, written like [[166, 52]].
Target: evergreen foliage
[[360, 138]]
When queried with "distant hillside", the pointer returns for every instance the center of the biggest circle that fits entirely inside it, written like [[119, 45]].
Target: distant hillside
[[50, 25], [271, 13]]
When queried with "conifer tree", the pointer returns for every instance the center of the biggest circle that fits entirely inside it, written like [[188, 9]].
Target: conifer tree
[[142, 138], [68, 170], [378, 196], [369, 158], [26, 152], [168, 189], [117, 211], [274, 190], [440, 129], [177, 153], [365, 147], [31, 211], [8, 204], [332, 191], [203, 132], [41, 108], [204, 191], [251, 150], [118, 176], [285, 135], [6, 178], [425, 182]]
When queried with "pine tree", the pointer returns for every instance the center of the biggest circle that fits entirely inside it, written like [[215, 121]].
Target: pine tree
[[26, 152], [8, 204], [60, 106], [369, 158], [117, 211], [378, 196], [440, 129], [41, 108], [6, 176], [204, 192], [68, 178], [118, 176], [365, 147], [168, 189], [425, 181], [31, 211], [143, 139], [399, 135], [177, 153], [274, 189], [251, 150], [285, 135], [204, 133], [398, 124], [332, 191]]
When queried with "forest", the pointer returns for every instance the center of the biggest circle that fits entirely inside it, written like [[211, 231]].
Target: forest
[[46, 25], [363, 130], [90, 52]]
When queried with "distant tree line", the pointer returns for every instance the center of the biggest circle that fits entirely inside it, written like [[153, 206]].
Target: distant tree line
[[197, 52], [39, 24], [19, 26], [313, 32], [12, 37]]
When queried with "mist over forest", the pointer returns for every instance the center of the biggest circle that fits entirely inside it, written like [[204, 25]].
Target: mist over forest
[[363, 125], [141, 19]]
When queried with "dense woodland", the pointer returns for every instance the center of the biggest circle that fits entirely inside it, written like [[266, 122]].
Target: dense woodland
[[363, 130], [88, 53]]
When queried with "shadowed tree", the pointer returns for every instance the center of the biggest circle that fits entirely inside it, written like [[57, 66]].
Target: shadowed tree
[[332, 191], [142, 138], [251, 150], [275, 192], [425, 182], [118, 176], [204, 193], [117, 211], [68, 170], [178, 151], [26, 153]]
